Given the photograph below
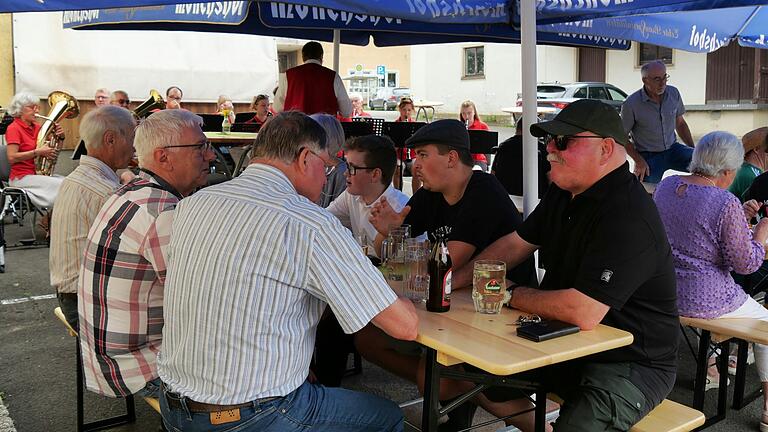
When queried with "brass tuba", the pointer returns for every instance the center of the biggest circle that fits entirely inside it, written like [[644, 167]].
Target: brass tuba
[[63, 105], [155, 101]]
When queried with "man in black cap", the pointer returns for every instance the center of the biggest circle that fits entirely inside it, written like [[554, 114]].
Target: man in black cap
[[607, 261], [476, 209]]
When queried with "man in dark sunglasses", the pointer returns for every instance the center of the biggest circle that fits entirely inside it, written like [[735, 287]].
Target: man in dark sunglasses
[[651, 116], [607, 261], [119, 98]]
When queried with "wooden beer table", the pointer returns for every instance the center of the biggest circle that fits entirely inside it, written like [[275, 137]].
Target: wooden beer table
[[234, 139], [490, 342]]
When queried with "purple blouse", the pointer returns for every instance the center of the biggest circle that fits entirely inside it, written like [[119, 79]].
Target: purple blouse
[[710, 238]]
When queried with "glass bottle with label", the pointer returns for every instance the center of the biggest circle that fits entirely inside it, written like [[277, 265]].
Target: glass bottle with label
[[226, 126], [439, 269]]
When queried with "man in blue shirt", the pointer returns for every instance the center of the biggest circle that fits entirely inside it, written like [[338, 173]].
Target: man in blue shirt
[[651, 116]]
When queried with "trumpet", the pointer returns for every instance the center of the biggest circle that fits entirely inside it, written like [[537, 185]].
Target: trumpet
[[63, 105], [155, 101]]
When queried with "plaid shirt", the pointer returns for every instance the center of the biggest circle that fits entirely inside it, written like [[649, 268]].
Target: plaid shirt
[[121, 286]]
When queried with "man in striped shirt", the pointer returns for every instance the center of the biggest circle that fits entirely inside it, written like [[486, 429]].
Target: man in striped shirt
[[253, 264], [108, 135], [123, 271]]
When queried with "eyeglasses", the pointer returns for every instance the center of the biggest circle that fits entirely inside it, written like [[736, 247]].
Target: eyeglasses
[[527, 319], [352, 170], [204, 147], [102, 97], [659, 79], [123, 101], [329, 166], [561, 141]]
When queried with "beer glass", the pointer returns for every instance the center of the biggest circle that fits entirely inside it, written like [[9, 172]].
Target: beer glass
[[394, 255], [488, 287], [417, 253]]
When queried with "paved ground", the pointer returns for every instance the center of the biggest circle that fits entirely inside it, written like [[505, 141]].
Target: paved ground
[[37, 375]]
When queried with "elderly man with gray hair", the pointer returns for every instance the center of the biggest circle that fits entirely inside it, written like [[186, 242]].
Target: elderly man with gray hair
[[651, 116], [254, 300], [121, 280], [108, 135], [335, 182]]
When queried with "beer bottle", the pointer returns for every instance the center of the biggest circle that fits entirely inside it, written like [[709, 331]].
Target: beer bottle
[[439, 268]]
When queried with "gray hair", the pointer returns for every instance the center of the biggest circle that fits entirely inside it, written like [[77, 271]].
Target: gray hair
[[716, 153], [353, 96], [106, 118], [161, 129], [19, 101], [648, 66], [334, 134], [283, 137]]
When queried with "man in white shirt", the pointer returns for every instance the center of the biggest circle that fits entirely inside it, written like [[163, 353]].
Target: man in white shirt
[[241, 305], [371, 163]]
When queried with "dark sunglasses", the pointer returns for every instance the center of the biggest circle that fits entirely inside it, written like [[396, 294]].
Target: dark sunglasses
[[561, 141]]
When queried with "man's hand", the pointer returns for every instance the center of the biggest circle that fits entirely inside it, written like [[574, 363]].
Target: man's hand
[[641, 168], [383, 216]]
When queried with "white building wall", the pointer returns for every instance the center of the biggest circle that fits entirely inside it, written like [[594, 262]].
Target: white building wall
[[688, 73], [437, 74]]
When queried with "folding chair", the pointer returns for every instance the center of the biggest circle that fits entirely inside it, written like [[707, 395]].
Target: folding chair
[[15, 201]]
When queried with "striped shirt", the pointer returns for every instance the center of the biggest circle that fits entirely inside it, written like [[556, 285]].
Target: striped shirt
[[80, 198], [121, 286], [252, 265]]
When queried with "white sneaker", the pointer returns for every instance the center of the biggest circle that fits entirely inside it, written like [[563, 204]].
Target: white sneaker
[[713, 383]]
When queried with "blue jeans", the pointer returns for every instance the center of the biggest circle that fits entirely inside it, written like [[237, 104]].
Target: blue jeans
[[152, 389], [677, 157], [309, 407]]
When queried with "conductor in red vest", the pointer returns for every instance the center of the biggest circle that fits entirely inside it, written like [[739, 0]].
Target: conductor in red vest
[[312, 88]]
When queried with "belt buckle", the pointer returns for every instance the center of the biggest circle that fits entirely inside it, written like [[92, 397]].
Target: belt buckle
[[224, 417]]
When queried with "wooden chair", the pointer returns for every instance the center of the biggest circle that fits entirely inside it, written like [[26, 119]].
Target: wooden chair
[[127, 418]]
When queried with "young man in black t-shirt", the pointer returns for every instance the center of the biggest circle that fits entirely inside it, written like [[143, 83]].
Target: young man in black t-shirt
[[478, 211]]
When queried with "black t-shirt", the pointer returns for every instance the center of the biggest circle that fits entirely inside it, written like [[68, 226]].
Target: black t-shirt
[[758, 190], [609, 243], [508, 166], [483, 215]]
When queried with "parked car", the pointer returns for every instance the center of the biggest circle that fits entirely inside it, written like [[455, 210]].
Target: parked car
[[558, 96], [387, 98]]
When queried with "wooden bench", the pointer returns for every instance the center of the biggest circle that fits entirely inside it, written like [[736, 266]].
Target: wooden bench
[[668, 416], [127, 418], [154, 403], [720, 331]]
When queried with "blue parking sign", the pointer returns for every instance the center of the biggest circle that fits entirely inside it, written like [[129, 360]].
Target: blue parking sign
[[381, 70]]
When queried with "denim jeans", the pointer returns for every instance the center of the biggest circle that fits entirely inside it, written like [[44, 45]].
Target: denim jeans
[[152, 389], [676, 157], [309, 407]]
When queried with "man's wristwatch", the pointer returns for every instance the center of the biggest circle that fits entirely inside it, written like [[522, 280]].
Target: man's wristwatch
[[511, 291]]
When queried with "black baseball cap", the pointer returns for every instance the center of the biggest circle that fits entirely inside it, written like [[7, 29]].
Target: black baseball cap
[[584, 115], [451, 133]]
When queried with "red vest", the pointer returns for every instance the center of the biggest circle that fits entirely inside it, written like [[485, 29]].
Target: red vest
[[310, 90]]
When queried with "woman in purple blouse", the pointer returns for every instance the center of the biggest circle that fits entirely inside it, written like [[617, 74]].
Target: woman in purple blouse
[[708, 231]]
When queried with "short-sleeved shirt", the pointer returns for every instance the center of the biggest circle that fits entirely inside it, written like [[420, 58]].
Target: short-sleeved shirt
[[242, 305], [24, 136], [608, 242], [743, 180], [652, 125], [482, 215], [354, 213], [121, 286]]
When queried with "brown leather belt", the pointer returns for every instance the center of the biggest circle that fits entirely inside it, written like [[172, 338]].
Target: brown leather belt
[[209, 408]]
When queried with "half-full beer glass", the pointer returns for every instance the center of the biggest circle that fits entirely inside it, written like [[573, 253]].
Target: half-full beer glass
[[488, 290]]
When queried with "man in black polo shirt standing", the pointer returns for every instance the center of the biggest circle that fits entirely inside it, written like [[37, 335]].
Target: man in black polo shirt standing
[[608, 261]]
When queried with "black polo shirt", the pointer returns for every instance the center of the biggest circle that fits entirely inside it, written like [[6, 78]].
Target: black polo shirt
[[609, 243]]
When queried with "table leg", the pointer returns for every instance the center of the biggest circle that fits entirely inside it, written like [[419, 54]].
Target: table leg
[[701, 370], [429, 414], [540, 414]]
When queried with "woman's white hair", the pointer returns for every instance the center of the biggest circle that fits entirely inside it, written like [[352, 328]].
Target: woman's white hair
[[162, 129], [19, 101], [334, 134], [716, 153], [106, 118]]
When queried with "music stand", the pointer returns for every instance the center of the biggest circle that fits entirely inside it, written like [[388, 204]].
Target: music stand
[[211, 122], [482, 141], [244, 116], [80, 150], [356, 128], [398, 132], [246, 127]]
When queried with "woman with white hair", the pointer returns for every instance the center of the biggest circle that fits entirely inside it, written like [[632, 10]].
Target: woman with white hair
[[357, 105], [22, 150], [708, 231], [335, 183]]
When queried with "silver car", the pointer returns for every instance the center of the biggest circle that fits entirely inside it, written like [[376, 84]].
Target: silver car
[[559, 95], [387, 98]]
